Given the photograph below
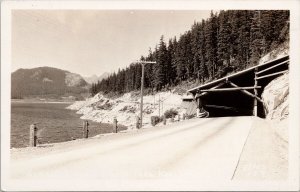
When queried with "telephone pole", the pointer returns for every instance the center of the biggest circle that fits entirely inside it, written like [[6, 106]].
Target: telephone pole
[[142, 87]]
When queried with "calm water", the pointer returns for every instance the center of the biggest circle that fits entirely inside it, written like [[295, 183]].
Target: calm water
[[54, 123]]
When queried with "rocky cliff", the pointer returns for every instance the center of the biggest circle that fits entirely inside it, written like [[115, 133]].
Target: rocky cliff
[[275, 97]]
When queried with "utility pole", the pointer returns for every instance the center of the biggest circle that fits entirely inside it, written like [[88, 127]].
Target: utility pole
[[159, 105], [162, 107], [142, 87], [154, 102]]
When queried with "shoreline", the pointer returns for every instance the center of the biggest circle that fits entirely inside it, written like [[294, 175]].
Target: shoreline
[[69, 130], [37, 101]]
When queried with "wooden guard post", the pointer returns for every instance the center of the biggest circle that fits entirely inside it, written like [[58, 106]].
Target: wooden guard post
[[85, 129], [172, 118], [164, 120], [115, 125], [137, 122], [33, 135]]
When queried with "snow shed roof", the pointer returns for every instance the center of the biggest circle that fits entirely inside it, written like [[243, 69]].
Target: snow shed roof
[[243, 72]]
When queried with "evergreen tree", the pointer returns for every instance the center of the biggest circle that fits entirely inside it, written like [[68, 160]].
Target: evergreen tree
[[244, 39], [170, 70], [223, 44], [257, 44], [211, 31], [180, 60], [160, 67]]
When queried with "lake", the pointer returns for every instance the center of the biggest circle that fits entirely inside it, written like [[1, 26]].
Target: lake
[[54, 123]]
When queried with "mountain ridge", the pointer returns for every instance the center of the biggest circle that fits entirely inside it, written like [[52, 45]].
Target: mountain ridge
[[46, 81], [94, 78]]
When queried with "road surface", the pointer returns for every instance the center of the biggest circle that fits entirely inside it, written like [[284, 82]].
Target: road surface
[[190, 153]]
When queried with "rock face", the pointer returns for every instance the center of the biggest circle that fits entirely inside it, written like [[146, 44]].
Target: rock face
[[275, 97], [73, 80]]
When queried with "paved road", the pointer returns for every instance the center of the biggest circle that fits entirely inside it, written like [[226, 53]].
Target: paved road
[[190, 152]]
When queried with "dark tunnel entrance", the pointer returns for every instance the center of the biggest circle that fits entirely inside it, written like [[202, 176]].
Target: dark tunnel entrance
[[239, 94], [231, 103]]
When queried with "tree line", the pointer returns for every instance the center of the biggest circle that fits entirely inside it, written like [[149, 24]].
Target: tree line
[[226, 42]]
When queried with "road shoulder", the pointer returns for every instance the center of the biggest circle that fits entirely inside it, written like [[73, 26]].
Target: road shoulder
[[265, 154]]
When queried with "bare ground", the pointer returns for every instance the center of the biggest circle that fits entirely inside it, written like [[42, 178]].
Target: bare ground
[[265, 154]]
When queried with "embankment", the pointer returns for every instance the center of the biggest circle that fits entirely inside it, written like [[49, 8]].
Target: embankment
[[127, 107]]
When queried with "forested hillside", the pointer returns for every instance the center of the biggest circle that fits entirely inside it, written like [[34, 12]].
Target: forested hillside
[[43, 81], [228, 41]]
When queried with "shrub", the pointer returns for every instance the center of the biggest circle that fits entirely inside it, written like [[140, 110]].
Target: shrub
[[170, 113], [155, 120], [190, 116], [106, 106], [128, 109]]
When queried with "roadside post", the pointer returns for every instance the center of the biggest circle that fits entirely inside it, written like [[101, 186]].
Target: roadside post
[[164, 120], [33, 135], [115, 125], [137, 122], [85, 129]]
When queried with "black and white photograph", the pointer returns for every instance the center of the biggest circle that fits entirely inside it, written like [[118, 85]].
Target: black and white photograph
[[150, 95]]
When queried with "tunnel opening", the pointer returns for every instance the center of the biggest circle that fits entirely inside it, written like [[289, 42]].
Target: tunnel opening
[[239, 94]]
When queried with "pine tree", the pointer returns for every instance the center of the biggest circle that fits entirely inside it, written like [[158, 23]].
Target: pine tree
[[256, 39], [180, 59], [203, 71], [174, 60], [224, 44], [171, 59], [211, 32], [160, 67], [196, 49], [244, 39]]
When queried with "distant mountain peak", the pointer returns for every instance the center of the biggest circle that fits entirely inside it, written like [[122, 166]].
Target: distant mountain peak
[[94, 78], [73, 79]]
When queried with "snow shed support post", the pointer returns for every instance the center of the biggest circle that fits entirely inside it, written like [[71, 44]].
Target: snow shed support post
[[33, 135], [255, 93], [194, 95], [115, 125], [85, 129], [247, 92], [199, 102]]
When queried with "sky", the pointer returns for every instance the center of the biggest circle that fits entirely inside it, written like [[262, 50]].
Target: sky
[[91, 42]]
